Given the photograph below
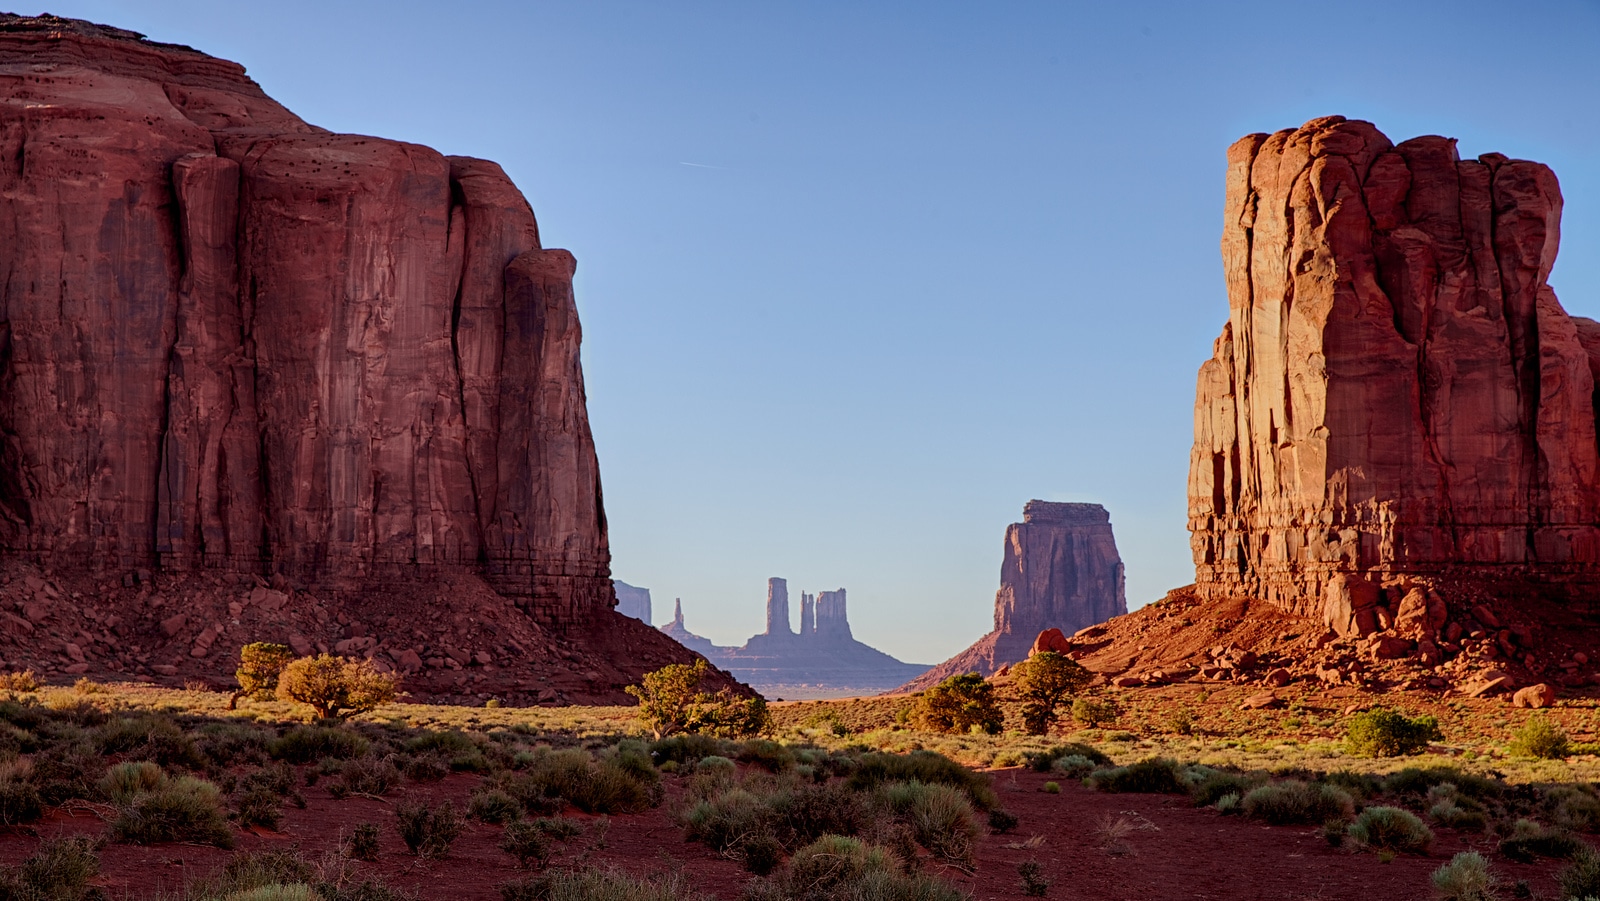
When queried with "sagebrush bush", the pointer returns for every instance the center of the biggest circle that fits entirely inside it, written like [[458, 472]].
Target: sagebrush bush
[[837, 867], [260, 806], [1529, 841], [1539, 738], [875, 768], [304, 744], [124, 780], [1218, 783], [154, 738], [769, 755], [1095, 712], [1044, 761], [1157, 775], [184, 809], [19, 797], [1292, 801], [960, 704], [1465, 878], [1573, 807], [1581, 879], [369, 775], [592, 884], [336, 687], [684, 749], [428, 831], [493, 806], [1421, 780], [363, 842], [1390, 829], [622, 783], [1381, 732], [941, 817], [59, 870]]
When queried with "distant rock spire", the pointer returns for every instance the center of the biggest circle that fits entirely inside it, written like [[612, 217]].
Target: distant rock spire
[[677, 612], [778, 607]]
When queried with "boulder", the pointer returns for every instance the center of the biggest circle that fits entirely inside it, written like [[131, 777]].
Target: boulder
[[1541, 695], [1261, 701], [1348, 605], [1278, 677], [1485, 616], [1389, 647], [1051, 639]]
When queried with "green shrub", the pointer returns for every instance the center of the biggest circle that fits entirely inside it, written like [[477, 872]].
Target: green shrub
[[1044, 761], [960, 704], [363, 842], [60, 869], [1217, 783], [805, 813], [730, 822], [1001, 821], [463, 754], [260, 806], [591, 884], [1228, 804], [837, 867], [1357, 785], [232, 744], [493, 806], [1581, 879], [179, 810], [19, 797], [940, 817], [304, 744], [1292, 801], [1421, 780], [1157, 775], [154, 738], [876, 768], [1390, 829], [623, 783], [1452, 814], [526, 842], [254, 871], [769, 755], [428, 831], [1465, 878], [427, 768], [368, 776], [1539, 738], [684, 749], [66, 770], [1572, 807], [1381, 732], [1072, 766], [1095, 712], [1529, 841], [1045, 680]]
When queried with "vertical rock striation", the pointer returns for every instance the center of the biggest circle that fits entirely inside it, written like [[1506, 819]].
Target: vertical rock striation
[[1397, 389], [1060, 570], [230, 340]]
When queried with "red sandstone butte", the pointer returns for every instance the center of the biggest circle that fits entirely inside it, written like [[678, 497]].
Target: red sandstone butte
[[1061, 571], [234, 341], [1397, 389]]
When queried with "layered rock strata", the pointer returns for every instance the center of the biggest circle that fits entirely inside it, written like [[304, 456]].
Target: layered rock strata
[[1397, 391], [632, 600], [1060, 570], [232, 341]]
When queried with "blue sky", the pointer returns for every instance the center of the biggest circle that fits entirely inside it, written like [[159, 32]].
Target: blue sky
[[859, 279]]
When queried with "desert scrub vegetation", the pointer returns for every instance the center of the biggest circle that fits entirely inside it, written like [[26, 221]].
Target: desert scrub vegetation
[[598, 884], [1541, 739], [181, 809], [620, 781], [1045, 682], [1291, 801], [261, 663], [1390, 829], [673, 699], [428, 831], [1465, 878], [532, 840], [336, 687], [1381, 732], [59, 870], [840, 867], [959, 704], [1155, 775]]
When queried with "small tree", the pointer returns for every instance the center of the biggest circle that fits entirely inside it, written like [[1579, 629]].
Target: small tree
[[672, 700], [336, 686], [1046, 680], [1381, 732], [959, 704], [260, 665]]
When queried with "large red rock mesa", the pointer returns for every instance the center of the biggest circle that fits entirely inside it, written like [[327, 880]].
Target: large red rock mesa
[[1397, 391], [235, 343], [1060, 571], [235, 340]]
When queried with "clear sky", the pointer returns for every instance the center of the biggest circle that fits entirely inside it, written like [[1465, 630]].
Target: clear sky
[[859, 279]]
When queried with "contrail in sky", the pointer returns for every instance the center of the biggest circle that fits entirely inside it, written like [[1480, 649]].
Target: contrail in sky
[[701, 165]]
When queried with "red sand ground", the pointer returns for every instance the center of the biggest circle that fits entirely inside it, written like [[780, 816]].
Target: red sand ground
[[1181, 853]]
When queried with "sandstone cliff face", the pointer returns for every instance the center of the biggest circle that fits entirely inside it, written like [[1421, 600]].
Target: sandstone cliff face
[[1397, 389], [233, 341], [1061, 570]]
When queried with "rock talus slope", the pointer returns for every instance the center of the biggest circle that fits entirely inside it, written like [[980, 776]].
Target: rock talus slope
[[235, 343], [1397, 390], [1061, 570]]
